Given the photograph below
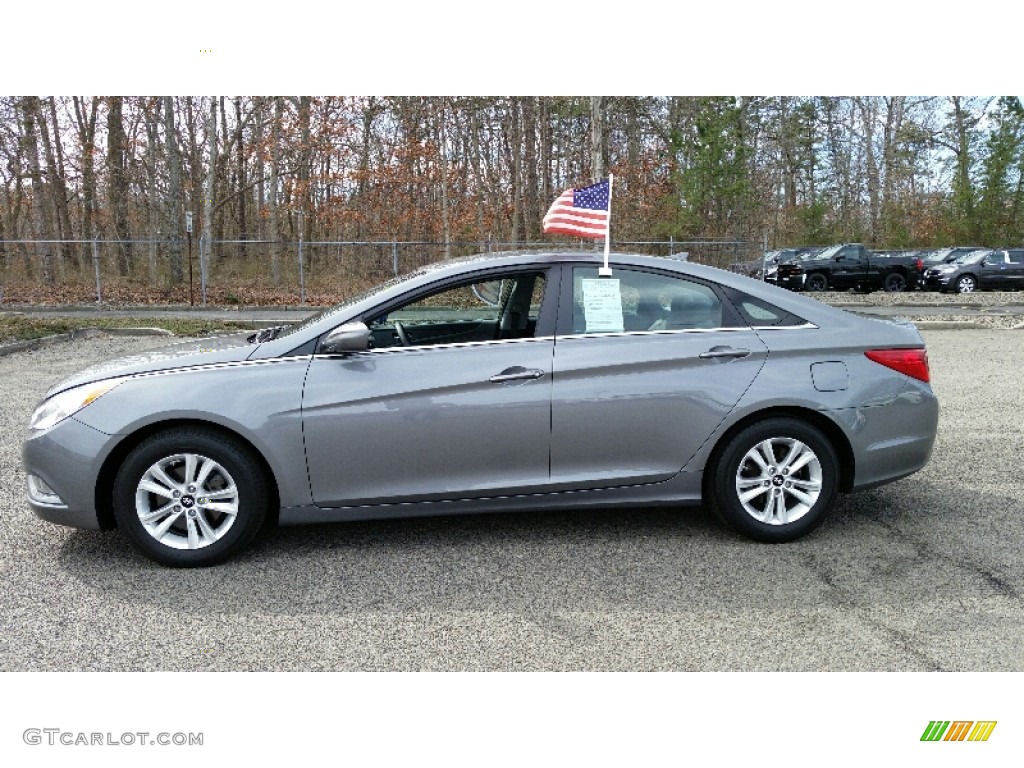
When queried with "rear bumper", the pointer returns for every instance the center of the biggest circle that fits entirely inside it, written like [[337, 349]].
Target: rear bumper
[[792, 282], [894, 440]]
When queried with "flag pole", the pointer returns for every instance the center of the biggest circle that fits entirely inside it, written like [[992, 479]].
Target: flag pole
[[606, 271]]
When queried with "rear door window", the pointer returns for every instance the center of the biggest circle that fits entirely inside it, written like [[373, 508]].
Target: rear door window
[[635, 301]]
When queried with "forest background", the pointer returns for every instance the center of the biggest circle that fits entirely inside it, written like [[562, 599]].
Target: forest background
[[259, 172]]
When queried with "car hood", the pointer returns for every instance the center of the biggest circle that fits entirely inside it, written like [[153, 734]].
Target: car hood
[[210, 351]]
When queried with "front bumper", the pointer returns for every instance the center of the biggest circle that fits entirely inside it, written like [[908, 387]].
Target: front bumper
[[67, 458], [938, 282]]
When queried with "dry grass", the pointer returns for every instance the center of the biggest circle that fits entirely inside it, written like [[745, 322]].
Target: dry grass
[[19, 327]]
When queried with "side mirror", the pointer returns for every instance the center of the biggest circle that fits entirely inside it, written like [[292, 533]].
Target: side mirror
[[350, 337]]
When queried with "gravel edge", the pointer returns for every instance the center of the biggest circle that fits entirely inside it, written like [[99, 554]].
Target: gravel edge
[[78, 333]]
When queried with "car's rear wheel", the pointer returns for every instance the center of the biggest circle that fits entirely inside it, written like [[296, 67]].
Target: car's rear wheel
[[966, 284], [817, 282], [190, 497], [895, 282], [775, 480]]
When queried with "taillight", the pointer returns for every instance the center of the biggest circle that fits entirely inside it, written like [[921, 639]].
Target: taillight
[[912, 362]]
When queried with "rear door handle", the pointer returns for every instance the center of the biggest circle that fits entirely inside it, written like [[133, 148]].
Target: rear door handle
[[724, 352], [515, 374]]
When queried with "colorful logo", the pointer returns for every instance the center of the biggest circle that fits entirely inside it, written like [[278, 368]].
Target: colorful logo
[[958, 730]]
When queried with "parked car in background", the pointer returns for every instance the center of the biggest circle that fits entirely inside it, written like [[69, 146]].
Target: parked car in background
[[983, 269], [781, 273], [946, 255], [753, 268], [851, 265], [914, 257], [508, 382]]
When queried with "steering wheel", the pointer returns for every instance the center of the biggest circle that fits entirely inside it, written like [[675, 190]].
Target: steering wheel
[[402, 335]]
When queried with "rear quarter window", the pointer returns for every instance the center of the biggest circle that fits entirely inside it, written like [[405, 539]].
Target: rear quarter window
[[761, 314]]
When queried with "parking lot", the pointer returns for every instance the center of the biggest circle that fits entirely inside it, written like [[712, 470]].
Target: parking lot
[[922, 574]]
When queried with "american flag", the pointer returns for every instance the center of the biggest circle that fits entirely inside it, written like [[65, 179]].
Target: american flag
[[580, 212]]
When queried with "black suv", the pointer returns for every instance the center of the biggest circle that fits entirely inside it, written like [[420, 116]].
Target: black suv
[[984, 269], [946, 255]]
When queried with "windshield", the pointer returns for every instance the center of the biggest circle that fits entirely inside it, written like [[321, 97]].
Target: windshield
[[349, 302], [828, 253], [970, 258]]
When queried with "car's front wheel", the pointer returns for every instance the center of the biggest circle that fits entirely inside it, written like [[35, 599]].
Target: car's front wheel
[[775, 480], [966, 284], [190, 497]]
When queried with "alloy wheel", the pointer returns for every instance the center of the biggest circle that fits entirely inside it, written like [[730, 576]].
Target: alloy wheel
[[779, 480], [186, 501]]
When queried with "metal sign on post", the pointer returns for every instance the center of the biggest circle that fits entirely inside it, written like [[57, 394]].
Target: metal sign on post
[[204, 259], [96, 266], [188, 230]]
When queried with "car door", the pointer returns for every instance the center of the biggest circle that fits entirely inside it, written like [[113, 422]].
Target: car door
[[994, 272], [460, 409], [849, 267], [1015, 269], [645, 370]]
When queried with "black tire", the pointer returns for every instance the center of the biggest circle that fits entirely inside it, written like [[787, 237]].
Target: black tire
[[199, 527], [895, 282], [757, 517], [966, 284], [817, 282]]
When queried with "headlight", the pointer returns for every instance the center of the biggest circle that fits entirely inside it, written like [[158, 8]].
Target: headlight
[[59, 407]]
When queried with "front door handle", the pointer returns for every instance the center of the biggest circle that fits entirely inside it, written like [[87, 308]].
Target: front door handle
[[724, 352], [515, 374]]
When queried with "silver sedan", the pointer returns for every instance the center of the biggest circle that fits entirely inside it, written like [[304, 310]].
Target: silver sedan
[[493, 383]]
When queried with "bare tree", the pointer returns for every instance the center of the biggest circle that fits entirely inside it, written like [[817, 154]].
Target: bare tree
[[117, 181], [442, 157], [173, 208], [56, 170], [42, 228], [85, 121], [210, 187], [151, 109], [275, 180], [597, 138]]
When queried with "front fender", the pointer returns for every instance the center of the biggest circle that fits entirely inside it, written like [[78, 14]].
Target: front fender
[[260, 401]]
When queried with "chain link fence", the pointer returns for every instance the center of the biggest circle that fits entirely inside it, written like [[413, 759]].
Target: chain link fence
[[261, 272]]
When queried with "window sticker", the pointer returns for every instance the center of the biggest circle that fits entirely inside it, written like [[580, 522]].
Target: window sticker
[[602, 305]]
